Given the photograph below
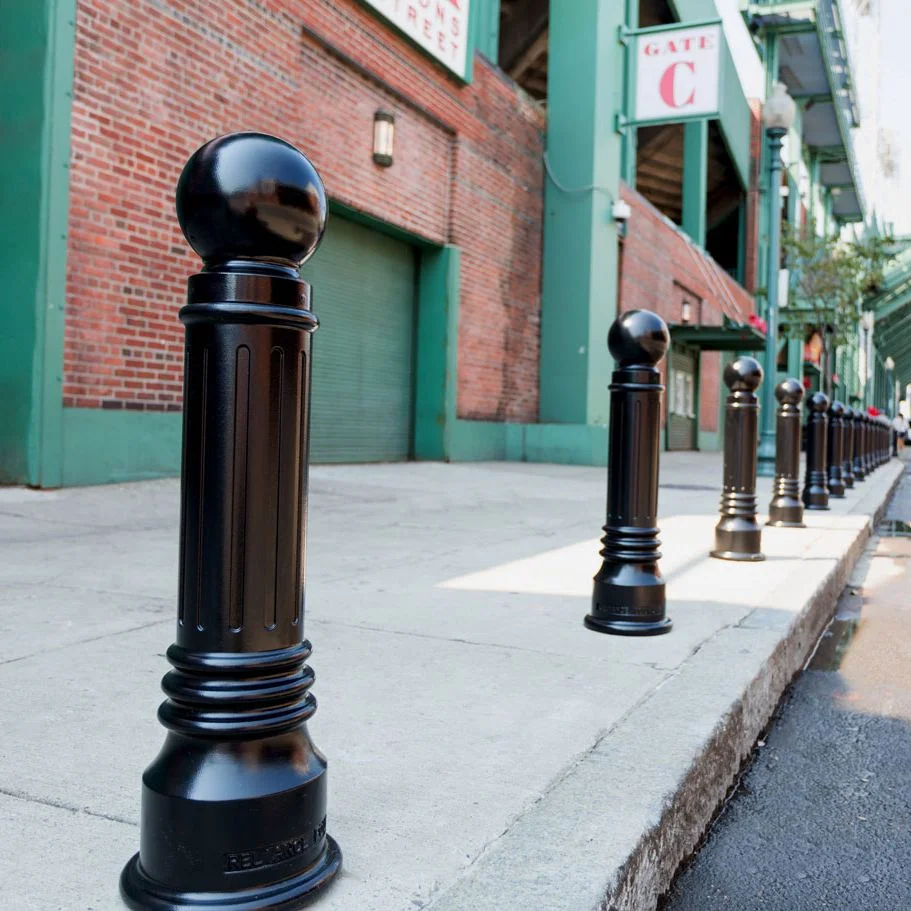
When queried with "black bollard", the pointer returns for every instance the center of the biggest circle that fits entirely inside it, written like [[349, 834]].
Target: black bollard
[[860, 473], [847, 431], [786, 510], [628, 597], [234, 806], [869, 463], [894, 443], [815, 491], [835, 450], [738, 536]]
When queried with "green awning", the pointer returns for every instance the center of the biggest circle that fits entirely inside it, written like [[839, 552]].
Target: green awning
[[719, 338]]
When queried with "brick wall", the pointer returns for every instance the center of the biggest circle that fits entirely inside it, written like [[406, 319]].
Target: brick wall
[[156, 78], [659, 269]]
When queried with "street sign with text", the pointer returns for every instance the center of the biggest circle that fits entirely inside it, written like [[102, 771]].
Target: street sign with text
[[677, 73]]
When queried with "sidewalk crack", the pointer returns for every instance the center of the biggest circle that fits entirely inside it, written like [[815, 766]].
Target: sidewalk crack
[[60, 805]]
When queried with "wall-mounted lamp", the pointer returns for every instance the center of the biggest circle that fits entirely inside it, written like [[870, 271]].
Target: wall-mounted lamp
[[383, 138], [686, 312]]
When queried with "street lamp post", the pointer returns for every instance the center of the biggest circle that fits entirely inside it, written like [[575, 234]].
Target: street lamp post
[[778, 116], [889, 364]]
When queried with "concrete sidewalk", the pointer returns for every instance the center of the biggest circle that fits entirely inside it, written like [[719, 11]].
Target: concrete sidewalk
[[485, 750]]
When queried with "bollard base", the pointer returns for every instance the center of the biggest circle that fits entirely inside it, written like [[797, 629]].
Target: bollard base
[[736, 555], [628, 627], [782, 523], [144, 894], [628, 599]]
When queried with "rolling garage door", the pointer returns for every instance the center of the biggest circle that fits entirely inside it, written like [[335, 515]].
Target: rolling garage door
[[363, 353], [681, 400]]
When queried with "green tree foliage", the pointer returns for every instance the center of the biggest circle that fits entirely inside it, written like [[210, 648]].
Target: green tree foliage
[[831, 277]]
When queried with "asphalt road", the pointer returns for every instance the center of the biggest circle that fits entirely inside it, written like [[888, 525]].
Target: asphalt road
[[822, 818]]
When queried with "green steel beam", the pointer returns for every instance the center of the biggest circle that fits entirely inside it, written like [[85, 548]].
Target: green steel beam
[[37, 40], [579, 288], [695, 179]]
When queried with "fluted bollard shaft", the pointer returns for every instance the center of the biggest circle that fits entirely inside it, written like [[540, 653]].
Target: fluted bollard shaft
[[869, 461], [847, 463], [738, 536], [786, 509], [628, 598], [835, 450], [234, 806], [859, 466], [815, 489]]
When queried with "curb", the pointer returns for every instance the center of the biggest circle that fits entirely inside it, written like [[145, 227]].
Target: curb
[[611, 833], [650, 870]]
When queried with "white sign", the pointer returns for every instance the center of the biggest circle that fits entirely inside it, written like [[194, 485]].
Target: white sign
[[677, 73], [440, 27]]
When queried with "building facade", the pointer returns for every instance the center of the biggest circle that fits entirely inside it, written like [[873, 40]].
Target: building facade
[[466, 282]]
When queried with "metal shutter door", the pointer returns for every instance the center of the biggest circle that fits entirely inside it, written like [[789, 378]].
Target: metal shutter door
[[363, 353], [681, 425]]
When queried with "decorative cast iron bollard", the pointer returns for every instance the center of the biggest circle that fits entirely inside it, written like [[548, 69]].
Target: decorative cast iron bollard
[[847, 431], [628, 597], [738, 536], [234, 806], [870, 461], [860, 473], [786, 510], [815, 491], [835, 450]]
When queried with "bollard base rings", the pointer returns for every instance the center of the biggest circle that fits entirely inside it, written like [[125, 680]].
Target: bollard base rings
[[144, 894]]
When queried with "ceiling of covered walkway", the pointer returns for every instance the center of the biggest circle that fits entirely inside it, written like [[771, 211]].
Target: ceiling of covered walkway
[[891, 307]]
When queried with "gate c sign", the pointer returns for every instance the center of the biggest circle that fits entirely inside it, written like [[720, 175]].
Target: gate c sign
[[677, 73]]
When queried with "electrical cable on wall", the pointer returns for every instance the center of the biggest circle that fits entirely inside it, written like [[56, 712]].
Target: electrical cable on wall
[[573, 190]]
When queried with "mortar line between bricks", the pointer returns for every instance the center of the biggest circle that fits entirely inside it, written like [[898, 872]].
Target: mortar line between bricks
[[57, 648], [59, 805]]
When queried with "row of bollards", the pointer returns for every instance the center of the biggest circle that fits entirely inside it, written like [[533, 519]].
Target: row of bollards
[[233, 809], [843, 446]]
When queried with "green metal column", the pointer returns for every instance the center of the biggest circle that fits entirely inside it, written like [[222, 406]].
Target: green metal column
[[795, 358], [628, 141], [36, 70], [695, 178], [579, 298]]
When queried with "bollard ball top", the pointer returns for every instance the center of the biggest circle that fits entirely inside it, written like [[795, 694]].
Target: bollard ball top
[[638, 337], [251, 196], [789, 391], [836, 409], [849, 413], [743, 375], [818, 402]]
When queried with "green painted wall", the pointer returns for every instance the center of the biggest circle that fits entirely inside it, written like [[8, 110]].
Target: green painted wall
[[36, 66], [579, 293], [437, 347], [104, 447]]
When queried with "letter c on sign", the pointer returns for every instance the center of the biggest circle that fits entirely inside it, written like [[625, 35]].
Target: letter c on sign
[[667, 85]]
